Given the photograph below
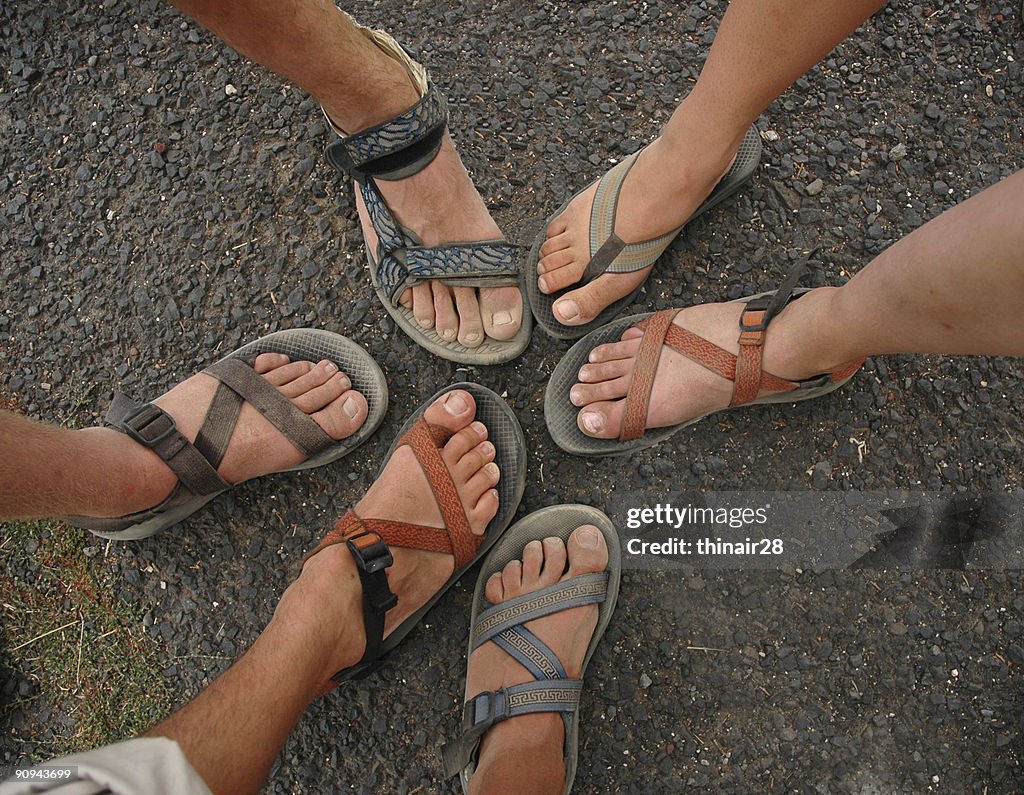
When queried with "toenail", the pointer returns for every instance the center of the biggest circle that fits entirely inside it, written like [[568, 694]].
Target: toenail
[[567, 310], [330, 367], [501, 318], [552, 541], [586, 537], [492, 470], [583, 374], [425, 322], [455, 404], [479, 427], [350, 407], [473, 336], [592, 422], [448, 334], [576, 396], [543, 284], [487, 448]]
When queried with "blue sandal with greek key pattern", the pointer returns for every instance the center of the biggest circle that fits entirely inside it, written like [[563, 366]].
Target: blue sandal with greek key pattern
[[397, 149], [505, 625]]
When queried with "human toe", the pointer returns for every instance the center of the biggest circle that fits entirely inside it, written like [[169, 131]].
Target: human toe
[[601, 420], [343, 416], [502, 311], [587, 550], [446, 320], [452, 411], [470, 324]]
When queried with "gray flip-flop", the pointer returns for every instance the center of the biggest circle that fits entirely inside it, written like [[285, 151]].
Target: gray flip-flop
[[196, 464], [503, 624], [609, 254]]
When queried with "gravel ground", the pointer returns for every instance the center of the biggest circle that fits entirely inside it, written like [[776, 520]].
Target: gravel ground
[[165, 200]]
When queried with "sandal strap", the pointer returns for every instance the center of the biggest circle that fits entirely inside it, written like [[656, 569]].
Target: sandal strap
[[402, 261], [294, 424], [485, 709], [425, 440], [195, 463], [608, 252], [586, 589], [462, 263], [645, 367], [155, 429], [754, 319], [745, 370], [530, 652], [397, 148]]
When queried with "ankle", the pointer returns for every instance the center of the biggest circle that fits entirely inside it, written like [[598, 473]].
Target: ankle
[[808, 338], [138, 478], [522, 755], [386, 91], [322, 609]]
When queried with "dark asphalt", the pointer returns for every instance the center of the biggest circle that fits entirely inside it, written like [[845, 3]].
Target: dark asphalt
[[154, 219]]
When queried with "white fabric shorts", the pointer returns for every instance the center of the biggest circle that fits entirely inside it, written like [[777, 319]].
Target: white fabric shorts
[[143, 766]]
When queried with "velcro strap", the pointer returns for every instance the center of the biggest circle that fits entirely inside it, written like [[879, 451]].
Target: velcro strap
[[397, 148], [295, 425], [645, 367], [585, 589], [154, 428]]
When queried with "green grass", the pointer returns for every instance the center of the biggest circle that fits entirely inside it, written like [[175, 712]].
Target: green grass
[[94, 665]]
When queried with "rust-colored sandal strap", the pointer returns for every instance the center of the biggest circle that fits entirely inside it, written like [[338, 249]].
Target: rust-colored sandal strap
[[645, 367], [423, 438]]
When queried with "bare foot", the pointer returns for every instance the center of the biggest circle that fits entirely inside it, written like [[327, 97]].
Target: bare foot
[[684, 390], [402, 493], [425, 203], [256, 447], [441, 205], [538, 737], [664, 188]]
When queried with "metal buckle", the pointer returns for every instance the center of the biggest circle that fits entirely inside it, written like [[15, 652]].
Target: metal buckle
[[371, 556], [141, 424]]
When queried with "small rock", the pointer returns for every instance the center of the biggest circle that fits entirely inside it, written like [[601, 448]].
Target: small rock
[[898, 152], [230, 90], [814, 188]]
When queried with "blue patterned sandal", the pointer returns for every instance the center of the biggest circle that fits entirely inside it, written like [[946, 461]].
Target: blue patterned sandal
[[397, 149], [504, 625]]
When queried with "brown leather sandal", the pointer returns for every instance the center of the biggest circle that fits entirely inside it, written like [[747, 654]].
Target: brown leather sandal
[[369, 539], [746, 371]]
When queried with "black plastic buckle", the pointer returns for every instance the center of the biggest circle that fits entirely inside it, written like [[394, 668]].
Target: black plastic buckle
[[370, 557], [337, 155], [148, 425], [485, 709], [757, 305]]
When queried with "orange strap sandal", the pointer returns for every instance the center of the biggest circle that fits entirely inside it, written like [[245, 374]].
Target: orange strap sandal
[[746, 371], [370, 540]]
